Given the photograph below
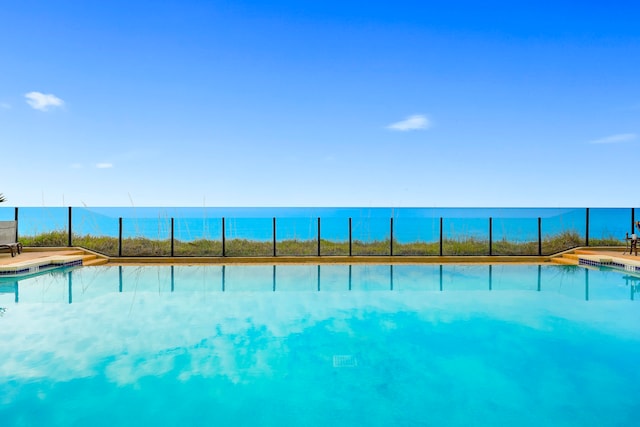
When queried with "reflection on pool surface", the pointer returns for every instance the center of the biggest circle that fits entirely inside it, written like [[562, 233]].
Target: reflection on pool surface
[[329, 345]]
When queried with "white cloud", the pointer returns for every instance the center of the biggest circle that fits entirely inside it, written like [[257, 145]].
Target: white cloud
[[5, 106], [415, 122], [612, 139], [41, 101], [104, 165], [76, 166]]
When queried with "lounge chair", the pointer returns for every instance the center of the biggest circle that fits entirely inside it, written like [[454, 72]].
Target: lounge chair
[[8, 237]]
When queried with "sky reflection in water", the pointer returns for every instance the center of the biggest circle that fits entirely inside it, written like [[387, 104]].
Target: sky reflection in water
[[379, 345]]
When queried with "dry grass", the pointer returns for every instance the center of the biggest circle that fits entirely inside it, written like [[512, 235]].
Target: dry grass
[[140, 246]]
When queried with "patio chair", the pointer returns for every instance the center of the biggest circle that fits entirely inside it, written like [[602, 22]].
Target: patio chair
[[8, 237]]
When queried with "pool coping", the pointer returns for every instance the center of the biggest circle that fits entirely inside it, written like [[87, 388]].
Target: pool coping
[[32, 266], [285, 259], [46, 258], [600, 260]]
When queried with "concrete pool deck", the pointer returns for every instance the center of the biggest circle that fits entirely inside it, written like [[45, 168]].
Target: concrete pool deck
[[90, 258], [32, 263], [34, 255]]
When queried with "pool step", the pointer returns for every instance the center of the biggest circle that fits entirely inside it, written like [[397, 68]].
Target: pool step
[[92, 259], [566, 259], [88, 258]]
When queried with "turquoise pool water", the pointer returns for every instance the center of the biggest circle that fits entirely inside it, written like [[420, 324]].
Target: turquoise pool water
[[373, 345]]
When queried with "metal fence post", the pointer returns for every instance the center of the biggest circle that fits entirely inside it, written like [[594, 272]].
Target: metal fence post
[[172, 235], [15, 216], [587, 230], [120, 236], [69, 243], [539, 236], [440, 236], [633, 219], [350, 238], [490, 236], [391, 239], [274, 236], [223, 238], [318, 236]]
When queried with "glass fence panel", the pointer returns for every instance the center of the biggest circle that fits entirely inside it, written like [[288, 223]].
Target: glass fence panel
[[465, 236], [515, 236], [371, 236], [43, 226], [334, 236], [297, 236], [7, 214], [94, 230], [146, 236], [198, 231], [249, 237], [609, 226], [416, 236], [197, 236], [563, 229]]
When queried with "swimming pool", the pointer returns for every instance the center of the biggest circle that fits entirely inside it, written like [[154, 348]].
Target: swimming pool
[[321, 345]]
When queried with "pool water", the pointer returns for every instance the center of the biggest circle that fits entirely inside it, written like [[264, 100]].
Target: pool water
[[338, 345]]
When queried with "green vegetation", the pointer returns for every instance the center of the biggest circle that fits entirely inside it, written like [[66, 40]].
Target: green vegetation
[[295, 247], [561, 242], [139, 246], [606, 241], [199, 247], [244, 247], [504, 247], [52, 238]]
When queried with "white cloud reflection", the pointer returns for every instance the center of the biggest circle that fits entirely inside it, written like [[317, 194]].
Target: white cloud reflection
[[148, 330]]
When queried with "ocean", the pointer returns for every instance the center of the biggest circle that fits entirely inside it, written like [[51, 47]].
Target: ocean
[[367, 224]]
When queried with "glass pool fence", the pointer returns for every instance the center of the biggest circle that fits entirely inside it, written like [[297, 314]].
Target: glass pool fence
[[266, 232]]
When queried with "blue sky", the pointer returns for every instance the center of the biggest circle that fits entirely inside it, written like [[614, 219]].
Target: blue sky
[[331, 103]]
